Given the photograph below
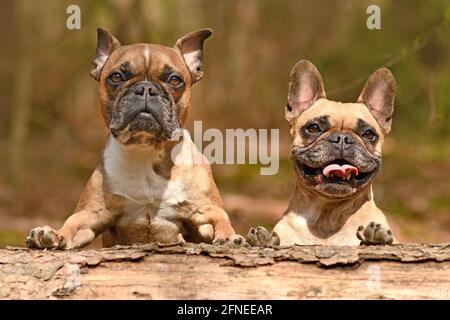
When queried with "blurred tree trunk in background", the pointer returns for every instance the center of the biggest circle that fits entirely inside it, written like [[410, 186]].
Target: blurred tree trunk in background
[[21, 99], [6, 36]]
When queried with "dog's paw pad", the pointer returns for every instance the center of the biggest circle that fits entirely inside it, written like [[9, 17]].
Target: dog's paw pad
[[219, 242], [261, 237], [45, 238], [235, 240], [374, 234]]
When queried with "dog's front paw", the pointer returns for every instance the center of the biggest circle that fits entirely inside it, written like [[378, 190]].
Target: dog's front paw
[[374, 234], [234, 240], [261, 237], [219, 241], [45, 238]]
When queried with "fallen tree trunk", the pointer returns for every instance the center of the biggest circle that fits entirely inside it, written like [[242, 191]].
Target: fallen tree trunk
[[200, 271]]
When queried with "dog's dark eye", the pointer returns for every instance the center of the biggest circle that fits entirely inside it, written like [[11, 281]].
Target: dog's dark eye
[[175, 81], [313, 128], [115, 77], [369, 135]]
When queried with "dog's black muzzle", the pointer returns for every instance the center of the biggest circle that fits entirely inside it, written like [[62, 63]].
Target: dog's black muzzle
[[145, 107]]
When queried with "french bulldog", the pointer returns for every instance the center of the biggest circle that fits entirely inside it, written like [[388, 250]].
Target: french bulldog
[[145, 189], [336, 154]]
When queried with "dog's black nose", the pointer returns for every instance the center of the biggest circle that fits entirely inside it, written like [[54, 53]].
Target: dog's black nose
[[142, 87], [343, 139]]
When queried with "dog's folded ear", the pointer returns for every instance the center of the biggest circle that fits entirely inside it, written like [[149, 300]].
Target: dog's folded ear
[[305, 87], [190, 47], [106, 44], [378, 95]]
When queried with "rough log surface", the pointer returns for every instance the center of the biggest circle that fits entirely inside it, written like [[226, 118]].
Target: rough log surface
[[200, 271]]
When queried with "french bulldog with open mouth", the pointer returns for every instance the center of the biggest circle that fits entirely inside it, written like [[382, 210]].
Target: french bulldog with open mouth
[[336, 154]]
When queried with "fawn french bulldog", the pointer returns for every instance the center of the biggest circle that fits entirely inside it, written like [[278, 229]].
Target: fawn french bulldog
[[336, 154]]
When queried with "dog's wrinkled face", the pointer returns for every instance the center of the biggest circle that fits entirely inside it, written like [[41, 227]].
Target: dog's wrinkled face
[[145, 88], [337, 147]]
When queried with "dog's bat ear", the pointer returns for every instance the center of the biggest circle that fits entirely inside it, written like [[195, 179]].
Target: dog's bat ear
[[305, 87], [378, 95], [106, 44], [190, 47]]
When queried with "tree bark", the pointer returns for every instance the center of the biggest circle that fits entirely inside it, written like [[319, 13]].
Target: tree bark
[[200, 271], [22, 94]]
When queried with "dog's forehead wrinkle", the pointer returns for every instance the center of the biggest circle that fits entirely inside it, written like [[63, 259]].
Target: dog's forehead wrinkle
[[324, 120], [127, 59], [126, 68], [340, 115], [146, 56], [163, 61], [362, 124], [167, 70]]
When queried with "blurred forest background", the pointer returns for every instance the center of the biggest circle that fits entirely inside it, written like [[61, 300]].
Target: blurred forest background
[[52, 133]]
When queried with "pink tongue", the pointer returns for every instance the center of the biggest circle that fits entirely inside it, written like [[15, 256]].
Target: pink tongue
[[338, 170]]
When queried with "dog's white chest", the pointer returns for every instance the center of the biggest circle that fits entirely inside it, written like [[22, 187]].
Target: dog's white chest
[[131, 174]]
